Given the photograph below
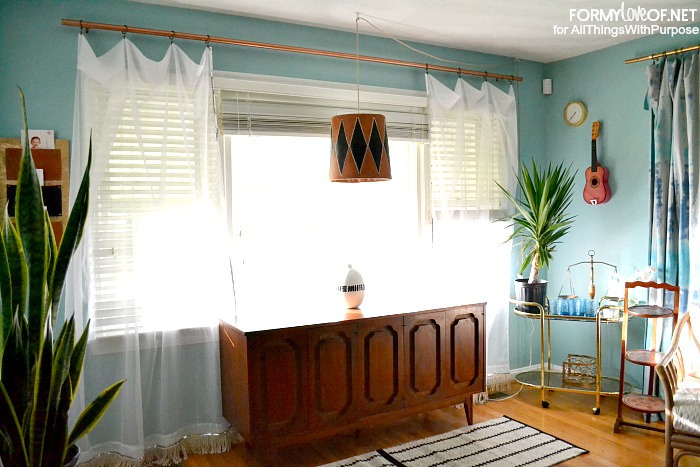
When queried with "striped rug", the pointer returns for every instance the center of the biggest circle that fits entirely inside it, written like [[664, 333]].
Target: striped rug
[[498, 442]]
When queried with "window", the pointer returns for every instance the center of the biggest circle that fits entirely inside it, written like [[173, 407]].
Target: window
[[291, 226], [148, 191]]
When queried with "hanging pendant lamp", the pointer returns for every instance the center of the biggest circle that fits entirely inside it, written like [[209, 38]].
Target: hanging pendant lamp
[[359, 148], [359, 143]]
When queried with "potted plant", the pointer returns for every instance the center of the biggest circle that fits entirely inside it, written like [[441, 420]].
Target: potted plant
[[40, 373], [539, 223]]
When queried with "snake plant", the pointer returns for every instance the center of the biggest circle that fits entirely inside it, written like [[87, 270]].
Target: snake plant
[[540, 219], [40, 372]]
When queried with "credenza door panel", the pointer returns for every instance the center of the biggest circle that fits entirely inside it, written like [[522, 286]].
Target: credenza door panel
[[425, 348], [380, 349], [465, 350], [278, 373], [333, 353]]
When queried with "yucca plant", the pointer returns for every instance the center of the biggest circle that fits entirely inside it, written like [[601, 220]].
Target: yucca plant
[[540, 220], [39, 375]]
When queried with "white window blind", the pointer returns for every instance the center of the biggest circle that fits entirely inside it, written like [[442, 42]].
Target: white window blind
[[264, 105], [463, 168], [142, 181], [265, 114]]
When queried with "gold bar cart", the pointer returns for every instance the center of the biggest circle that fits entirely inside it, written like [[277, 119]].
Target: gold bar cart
[[548, 380]]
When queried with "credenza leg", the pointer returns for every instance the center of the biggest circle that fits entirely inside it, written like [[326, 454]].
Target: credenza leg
[[469, 408]]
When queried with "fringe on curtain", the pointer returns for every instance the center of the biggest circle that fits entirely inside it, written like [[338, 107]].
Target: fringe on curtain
[[173, 454], [498, 382]]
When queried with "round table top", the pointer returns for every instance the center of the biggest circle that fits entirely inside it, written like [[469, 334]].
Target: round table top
[[650, 311]]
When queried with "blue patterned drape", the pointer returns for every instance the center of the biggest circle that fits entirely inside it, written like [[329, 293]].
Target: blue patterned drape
[[672, 98]]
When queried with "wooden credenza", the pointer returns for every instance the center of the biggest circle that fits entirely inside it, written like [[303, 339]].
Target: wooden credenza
[[302, 382]]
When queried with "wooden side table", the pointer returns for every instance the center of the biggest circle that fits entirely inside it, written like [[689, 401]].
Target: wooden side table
[[646, 403]]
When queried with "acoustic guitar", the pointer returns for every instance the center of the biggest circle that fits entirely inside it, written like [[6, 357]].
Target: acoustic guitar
[[597, 189]]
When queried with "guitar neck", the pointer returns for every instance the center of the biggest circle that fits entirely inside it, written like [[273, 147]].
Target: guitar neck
[[594, 158]]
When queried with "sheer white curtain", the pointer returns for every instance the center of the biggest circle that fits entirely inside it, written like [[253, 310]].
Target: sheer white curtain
[[152, 272], [473, 143]]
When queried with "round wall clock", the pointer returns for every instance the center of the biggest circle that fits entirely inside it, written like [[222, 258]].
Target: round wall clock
[[575, 113]]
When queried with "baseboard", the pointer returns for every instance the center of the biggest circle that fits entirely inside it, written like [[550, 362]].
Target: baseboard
[[515, 371], [502, 380]]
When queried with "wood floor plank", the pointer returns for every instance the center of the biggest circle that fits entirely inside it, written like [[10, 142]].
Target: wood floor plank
[[568, 417]]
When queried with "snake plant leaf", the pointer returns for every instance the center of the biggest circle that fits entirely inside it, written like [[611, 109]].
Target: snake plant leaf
[[40, 400], [60, 396], [17, 264], [71, 237], [77, 358], [12, 429], [15, 402], [50, 261], [61, 366], [60, 435], [16, 367], [29, 215], [89, 417], [6, 314]]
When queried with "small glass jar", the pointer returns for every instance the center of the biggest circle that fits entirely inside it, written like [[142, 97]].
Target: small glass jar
[[592, 307], [577, 305], [563, 306]]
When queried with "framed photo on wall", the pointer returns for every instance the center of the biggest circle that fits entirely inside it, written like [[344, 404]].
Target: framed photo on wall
[[40, 139]]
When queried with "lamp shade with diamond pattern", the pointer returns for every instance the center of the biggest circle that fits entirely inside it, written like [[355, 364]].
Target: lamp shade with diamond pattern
[[359, 148]]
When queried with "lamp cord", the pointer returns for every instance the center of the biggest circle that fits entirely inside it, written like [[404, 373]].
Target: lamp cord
[[467, 65], [357, 58]]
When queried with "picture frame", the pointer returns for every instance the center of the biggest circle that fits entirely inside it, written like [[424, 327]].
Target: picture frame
[[40, 139]]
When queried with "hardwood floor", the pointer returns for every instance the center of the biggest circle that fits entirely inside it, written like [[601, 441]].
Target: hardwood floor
[[569, 417]]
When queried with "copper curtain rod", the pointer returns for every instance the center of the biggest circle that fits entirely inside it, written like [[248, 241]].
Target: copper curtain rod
[[662, 54], [284, 48]]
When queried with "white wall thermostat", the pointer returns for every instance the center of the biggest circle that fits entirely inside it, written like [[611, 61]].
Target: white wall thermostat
[[547, 86]]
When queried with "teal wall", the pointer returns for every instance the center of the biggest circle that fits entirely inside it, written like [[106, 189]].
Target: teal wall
[[39, 54]]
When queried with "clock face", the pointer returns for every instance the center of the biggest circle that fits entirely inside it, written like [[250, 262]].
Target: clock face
[[575, 113]]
